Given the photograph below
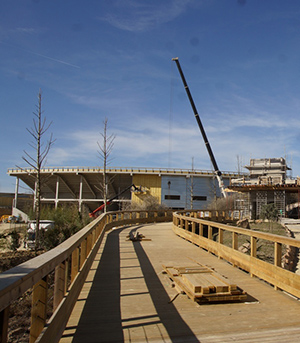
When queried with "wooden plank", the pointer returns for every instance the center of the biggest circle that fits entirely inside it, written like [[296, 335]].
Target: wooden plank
[[232, 286], [198, 283], [204, 284], [193, 269], [219, 285]]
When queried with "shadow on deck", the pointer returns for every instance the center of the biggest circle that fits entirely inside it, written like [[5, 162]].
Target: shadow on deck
[[126, 298]]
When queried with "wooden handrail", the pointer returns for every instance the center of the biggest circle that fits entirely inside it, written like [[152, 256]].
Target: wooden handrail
[[76, 255], [185, 227]]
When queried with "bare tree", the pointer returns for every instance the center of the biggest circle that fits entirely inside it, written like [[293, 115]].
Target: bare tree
[[105, 149], [37, 131]]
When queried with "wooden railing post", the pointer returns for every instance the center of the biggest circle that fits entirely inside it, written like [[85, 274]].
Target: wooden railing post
[[253, 246], [67, 268], [277, 254], [221, 236], [93, 237], [4, 315], [220, 239], [209, 233], [83, 253], [201, 229], [74, 264], [186, 225], [39, 309], [235, 241], [88, 244], [193, 227], [59, 285]]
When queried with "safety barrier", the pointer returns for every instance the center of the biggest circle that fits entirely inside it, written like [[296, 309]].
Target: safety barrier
[[70, 262], [209, 235]]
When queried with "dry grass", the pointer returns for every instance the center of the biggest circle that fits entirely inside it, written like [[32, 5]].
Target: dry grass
[[265, 249]]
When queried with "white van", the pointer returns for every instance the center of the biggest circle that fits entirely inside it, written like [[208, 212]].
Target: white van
[[44, 225]]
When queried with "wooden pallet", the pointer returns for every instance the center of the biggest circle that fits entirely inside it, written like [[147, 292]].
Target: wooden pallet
[[203, 284]]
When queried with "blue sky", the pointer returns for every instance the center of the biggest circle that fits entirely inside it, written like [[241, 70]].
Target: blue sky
[[113, 58]]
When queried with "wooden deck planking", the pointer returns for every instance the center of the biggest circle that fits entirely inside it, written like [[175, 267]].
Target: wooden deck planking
[[126, 297]]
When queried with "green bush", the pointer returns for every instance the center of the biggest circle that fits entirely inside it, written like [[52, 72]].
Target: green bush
[[68, 220]]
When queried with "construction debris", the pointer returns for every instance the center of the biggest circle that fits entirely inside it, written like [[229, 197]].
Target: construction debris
[[203, 284], [243, 223], [137, 237]]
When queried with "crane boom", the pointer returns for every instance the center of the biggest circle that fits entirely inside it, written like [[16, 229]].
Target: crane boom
[[208, 147]]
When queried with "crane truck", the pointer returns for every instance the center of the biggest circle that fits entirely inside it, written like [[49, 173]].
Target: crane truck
[[208, 147]]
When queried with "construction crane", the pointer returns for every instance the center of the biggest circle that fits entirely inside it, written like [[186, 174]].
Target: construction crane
[[211, 155]]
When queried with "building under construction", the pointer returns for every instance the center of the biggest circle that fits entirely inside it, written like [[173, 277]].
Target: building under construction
[[266, 183], [174, 188]]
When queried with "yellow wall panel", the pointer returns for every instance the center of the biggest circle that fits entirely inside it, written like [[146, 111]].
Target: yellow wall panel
[[151, 184]]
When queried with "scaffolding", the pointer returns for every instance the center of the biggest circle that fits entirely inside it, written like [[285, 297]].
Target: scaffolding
[[280, 202], [261, 201], [242, 205]]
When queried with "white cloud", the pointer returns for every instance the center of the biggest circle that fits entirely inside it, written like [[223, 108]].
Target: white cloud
[[136, 15]]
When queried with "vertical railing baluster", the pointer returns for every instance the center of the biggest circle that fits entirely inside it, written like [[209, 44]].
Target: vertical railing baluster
[[4, 316], [193, 227], [74, 264], [253, 251], [38, 309], [220, 240], [201, 229], [235, 240], [59, 285], [277, 256], [83, 253]]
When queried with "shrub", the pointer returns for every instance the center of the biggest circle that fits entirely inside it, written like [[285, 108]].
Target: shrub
[[68, 220], [269, 212], [14, 240]]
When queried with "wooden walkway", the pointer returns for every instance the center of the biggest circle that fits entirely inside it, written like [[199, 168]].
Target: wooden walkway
[[126, 297]]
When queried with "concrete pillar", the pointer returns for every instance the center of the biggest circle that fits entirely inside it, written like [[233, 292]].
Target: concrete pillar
[[80, 194], [57, 192], [15, 203]]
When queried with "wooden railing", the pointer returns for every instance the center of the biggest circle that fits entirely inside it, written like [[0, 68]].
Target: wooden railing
[[210, 235], [70, 263]]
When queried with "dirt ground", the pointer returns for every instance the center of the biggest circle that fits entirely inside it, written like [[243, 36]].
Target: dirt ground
[[10, 226]]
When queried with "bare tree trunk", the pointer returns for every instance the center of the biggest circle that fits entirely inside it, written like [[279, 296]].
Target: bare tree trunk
[[104, 152], [37, 132]]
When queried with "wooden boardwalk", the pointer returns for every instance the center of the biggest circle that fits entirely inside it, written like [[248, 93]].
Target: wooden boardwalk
[[126, 297]]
